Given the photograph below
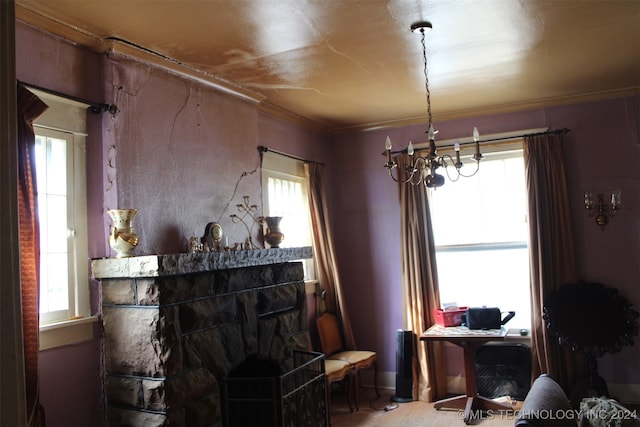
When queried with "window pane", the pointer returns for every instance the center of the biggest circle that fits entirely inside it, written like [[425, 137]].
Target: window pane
[[481, 234], [286, 199], [51, 178], [56, 224], [488, 207], [492, 278], [57, 166], [54, 273]]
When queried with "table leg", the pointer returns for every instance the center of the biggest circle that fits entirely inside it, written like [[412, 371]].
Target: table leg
[[471, 401]]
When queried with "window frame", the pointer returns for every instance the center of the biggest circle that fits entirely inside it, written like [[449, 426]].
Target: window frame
[[68, 117], [282, 167], [500, 151]]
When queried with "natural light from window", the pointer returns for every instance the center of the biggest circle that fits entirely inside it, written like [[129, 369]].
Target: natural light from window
[[481, 237], [287, 199], [285, 194], [51, 177]]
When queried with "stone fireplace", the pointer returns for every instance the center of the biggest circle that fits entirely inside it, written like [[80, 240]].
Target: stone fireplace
[[176, 325]]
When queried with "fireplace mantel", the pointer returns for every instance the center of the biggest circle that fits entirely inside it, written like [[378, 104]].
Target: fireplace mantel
[[189, 263], [176, 325]]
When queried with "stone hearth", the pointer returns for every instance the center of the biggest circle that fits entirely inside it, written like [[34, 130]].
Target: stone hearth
[[176, 325]]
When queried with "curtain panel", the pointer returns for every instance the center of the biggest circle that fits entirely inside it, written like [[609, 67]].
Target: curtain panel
[[420, 286], [552, 252], [323, 249], [30, 107]]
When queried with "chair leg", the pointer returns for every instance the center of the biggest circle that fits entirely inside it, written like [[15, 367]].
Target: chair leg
[[355, 391], [348, 380], [375, 378], [346, 384]]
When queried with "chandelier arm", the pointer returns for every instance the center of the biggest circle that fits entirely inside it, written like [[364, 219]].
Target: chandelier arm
[[445, 165], [397, 177], [391, 175], [418, 166], [474, 172], [457, 177]]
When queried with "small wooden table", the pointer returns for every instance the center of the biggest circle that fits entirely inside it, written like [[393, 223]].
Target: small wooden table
[[469, 340]]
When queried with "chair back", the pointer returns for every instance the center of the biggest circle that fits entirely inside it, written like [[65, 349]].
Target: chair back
[[329, 331]]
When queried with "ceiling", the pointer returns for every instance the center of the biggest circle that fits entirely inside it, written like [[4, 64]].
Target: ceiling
[[340, 64]]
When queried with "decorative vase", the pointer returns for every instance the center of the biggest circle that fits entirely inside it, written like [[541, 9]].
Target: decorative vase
[[122, 238], [273, 236]]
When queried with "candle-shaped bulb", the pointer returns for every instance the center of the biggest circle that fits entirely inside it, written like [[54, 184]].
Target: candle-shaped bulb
[[387, 144], [410, 149], [588, 199], [476, 134], [456, 146], [615, 199]]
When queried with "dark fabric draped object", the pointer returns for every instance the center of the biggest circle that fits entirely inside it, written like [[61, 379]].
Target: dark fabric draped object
[[552, 251], [420, 289], [30, 107], [324, 252]]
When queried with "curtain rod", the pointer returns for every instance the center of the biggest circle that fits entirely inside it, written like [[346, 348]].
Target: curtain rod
[[262, 149], [94, 107], [506, 138]]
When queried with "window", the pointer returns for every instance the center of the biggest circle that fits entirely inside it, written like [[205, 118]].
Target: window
[[285, 194], [62, 213], [481, 237]]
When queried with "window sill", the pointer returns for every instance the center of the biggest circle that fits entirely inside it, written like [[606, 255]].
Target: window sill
[[311, 286], [67, 332]]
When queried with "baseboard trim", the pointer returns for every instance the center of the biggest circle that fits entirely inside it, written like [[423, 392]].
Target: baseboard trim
[[386, 379], [624, 393]]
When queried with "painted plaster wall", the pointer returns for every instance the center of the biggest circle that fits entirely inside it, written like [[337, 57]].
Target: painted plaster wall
[[70, 376], [187, 154], [602, 153], [175, 150], [178, 150]]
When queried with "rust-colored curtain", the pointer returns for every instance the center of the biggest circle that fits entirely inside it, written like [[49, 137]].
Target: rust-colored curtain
[[29, 108], [552, 253], [420, 287], [325, 258]]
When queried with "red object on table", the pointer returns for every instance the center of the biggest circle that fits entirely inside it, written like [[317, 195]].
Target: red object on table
[[451, 317], [469, 340]]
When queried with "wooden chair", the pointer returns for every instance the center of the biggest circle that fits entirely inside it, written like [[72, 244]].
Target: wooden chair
[[333, 348], [337, 371]]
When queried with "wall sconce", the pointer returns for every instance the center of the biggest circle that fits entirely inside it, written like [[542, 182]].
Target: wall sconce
[[602, 211]]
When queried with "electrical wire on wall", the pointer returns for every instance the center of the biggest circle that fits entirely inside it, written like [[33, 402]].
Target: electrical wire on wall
[[242, 175]]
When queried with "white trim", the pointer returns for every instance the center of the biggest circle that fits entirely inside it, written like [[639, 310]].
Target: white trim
[[67, 332], [386, 379], [66, 119], [63, 114], [624, 393], [311, 287]]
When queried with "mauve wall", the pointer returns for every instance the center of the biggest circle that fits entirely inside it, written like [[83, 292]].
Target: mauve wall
[[175, 150], [70, 377], [602, 154], [181, 147]]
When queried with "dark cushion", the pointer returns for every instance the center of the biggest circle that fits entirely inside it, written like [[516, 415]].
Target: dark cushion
[[546, 404]]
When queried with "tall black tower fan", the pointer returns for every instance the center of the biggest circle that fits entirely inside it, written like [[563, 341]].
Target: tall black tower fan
[[404, 371]]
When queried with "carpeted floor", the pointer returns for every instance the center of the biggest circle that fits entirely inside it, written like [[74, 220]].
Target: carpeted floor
[[412, 414]]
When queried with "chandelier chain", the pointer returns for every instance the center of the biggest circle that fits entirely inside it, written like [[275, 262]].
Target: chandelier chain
[[426, 76], [422, 168]]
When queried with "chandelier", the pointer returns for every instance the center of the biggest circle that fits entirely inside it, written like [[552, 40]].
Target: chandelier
[[422, 169]]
